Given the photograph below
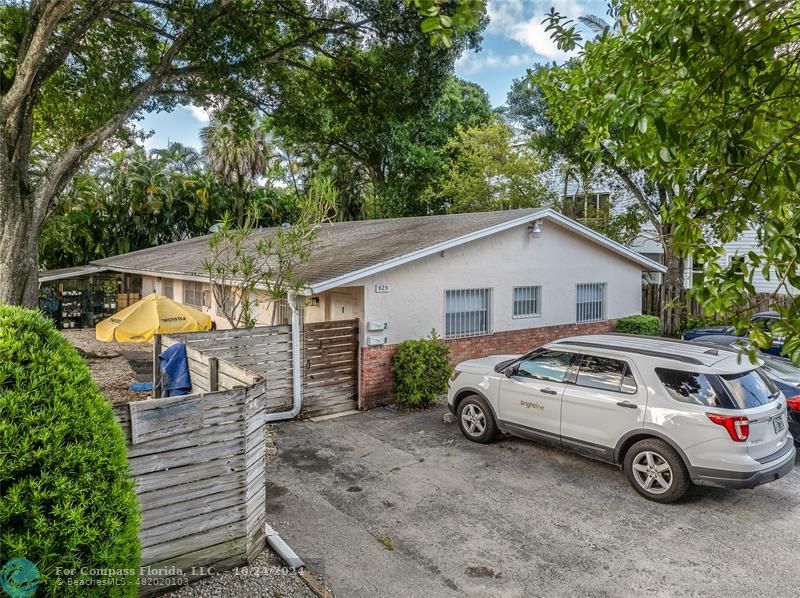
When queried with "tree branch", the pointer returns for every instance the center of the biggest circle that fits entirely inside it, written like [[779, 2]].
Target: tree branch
[[632, 186], [32, 54]]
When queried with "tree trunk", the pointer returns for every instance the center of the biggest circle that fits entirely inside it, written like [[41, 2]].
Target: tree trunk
[[19, 251], [671, 290]]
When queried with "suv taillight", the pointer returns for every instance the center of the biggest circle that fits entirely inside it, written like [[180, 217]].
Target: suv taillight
[[738, 426], [794, 403]]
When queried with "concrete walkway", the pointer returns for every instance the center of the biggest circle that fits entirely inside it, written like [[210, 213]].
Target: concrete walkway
[[387, 504]]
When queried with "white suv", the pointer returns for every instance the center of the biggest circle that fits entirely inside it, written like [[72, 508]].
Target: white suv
[[670, 413]]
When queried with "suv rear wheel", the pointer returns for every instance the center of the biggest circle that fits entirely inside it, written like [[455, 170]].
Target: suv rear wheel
[[656, 471], [476, 420]]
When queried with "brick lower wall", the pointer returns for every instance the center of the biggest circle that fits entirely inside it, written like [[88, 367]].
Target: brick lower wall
[[375, 385]]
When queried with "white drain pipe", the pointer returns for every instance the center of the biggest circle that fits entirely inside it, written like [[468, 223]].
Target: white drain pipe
[[297, 375], [283, 549]]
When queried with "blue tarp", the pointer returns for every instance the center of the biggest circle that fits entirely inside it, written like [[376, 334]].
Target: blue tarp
[[175, 380]]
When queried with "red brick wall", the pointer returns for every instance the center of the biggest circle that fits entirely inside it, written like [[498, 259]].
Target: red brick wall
[[376, 362]]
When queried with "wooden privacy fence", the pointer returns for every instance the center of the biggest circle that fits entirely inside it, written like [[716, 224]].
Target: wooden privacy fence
[[652, 303], [199, 465], [330, 367], [224, 359], [329, 356]]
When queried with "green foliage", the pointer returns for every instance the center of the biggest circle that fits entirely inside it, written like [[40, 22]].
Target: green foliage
[[238, 153], [379, 139], [242, 260], [704, 96], [421, 371], [67, 499], [488, 173], [444, 18], [134, 199], [640, 324], [703, 322]]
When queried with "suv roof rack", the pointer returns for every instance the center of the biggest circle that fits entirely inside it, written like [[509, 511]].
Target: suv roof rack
[[640, 351]]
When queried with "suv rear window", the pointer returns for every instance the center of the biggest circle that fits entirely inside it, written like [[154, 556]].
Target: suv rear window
[[730, 391], [690, 387], [750, 389]]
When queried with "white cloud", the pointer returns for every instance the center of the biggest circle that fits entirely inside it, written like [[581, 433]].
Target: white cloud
[[521, 22], [472, 63], [200, 114], [532, 34]]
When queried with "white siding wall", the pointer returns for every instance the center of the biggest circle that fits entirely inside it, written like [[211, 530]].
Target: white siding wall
[[745, 243], [557, 261]]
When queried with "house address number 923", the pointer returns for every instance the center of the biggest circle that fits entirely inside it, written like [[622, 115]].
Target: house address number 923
[[382, 287]]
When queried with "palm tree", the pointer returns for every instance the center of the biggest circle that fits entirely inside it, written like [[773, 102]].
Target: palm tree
[[237, 156]]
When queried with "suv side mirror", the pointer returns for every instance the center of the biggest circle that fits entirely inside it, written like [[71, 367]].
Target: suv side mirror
[[510, 371]]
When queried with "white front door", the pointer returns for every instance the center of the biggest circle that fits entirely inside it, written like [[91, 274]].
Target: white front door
[[603, 402], [530, 396], [340, 307]]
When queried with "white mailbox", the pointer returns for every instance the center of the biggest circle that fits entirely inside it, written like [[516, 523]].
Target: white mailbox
[[377, 340], [376, 325]]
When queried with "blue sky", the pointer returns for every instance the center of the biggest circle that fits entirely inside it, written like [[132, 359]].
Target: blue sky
[[514, 40]]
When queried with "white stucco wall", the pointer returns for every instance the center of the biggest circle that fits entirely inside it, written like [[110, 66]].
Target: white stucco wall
[[558, 260]]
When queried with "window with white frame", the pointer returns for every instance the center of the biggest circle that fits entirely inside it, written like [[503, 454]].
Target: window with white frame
[[591, 302], [467, 312], [193, 293], [527, 302], [166, 288]]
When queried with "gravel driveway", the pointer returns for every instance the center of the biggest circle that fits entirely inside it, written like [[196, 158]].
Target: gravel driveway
[[384, 504]]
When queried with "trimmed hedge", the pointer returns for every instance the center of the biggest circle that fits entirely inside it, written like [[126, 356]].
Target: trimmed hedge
[[642, 325], [421, 371], [66, 496]]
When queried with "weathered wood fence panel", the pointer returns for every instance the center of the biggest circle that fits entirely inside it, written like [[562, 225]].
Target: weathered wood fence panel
[[201, 489], [652, 302], [232, 358], [228, 359], [330, 367]]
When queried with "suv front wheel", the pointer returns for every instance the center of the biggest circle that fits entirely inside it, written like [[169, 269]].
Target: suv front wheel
[[476, 420], [656, 471]]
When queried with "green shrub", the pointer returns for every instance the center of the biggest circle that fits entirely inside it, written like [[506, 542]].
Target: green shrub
[[421, 371], [643, 325], [701, 322], [66, 497]]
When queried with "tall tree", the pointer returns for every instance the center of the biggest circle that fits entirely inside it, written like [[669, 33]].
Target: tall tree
[[488, 172], [380, 139], [705, 96], [238, 153], [74, 72]]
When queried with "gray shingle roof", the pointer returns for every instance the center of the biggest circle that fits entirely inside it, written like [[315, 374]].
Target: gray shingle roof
[[341, 248]]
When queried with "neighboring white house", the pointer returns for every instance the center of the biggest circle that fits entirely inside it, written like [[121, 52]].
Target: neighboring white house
[[647, 244], [493, 282]]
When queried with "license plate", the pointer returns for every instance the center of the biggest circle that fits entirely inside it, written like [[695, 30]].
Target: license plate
[[778, 424]]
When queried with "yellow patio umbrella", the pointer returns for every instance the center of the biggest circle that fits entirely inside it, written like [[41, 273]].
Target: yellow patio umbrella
[[148, 316]]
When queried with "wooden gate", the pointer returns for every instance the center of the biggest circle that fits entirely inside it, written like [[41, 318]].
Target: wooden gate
[[330, 367]]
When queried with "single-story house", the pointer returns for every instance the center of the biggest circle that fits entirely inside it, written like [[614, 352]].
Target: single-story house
[[492, 282]]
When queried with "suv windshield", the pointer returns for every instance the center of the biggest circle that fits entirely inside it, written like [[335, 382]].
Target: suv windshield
[[750, 389]]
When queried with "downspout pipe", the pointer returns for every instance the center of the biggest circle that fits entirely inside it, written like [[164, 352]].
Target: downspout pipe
[[282, 548], [297, 375]]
